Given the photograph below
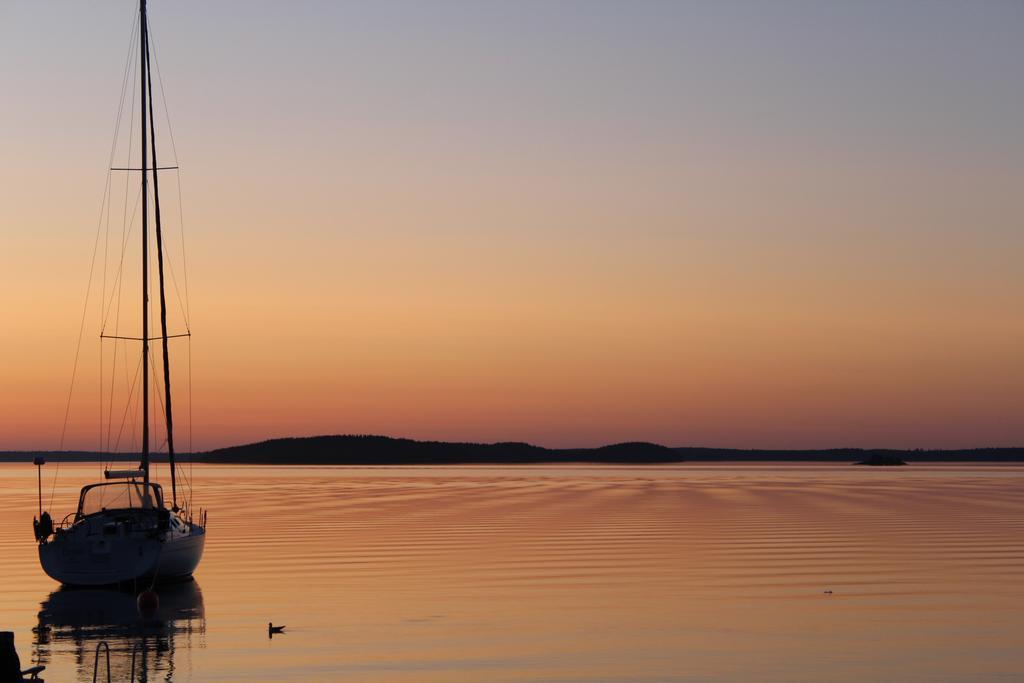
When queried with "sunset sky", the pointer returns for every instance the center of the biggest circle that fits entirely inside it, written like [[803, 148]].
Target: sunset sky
[[751, 224]]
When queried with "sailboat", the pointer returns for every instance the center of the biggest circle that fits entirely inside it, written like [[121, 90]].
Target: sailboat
[[123, 529]]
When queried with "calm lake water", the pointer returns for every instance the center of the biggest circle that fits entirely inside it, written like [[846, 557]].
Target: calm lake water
[[679, 573]]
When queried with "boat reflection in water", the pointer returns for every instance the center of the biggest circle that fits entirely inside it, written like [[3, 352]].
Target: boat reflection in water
[[73, 621]]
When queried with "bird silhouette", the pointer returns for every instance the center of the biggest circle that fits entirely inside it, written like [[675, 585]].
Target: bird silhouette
[[271, 629]]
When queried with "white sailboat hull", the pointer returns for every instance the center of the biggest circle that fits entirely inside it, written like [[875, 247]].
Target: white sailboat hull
[[80, 558]]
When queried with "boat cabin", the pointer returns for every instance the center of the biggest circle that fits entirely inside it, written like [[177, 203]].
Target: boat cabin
[[131, 495]]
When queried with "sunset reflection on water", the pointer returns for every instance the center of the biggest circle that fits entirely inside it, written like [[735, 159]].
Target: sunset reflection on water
[[689, 572]]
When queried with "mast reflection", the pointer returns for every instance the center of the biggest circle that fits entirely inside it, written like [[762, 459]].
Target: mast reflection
[[73, 621]]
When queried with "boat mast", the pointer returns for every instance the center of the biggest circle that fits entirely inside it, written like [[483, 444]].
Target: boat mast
[[143, 42], [163, 298]]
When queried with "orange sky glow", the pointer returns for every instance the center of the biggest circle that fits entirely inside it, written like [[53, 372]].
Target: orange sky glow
[[415, 230]]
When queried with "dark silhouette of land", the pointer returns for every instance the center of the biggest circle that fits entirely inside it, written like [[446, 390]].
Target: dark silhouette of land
[[882, 460], [383, 450]]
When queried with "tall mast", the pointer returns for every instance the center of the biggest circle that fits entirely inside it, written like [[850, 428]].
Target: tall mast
[[143, 43], [163, 298]]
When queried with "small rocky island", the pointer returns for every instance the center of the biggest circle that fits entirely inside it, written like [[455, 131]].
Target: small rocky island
[[881, 459]]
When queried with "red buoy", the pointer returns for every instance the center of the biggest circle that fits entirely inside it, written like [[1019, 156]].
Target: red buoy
[[148, 602]]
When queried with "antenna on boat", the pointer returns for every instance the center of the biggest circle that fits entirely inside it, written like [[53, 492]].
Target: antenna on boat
[[42, 525], [39, 461]]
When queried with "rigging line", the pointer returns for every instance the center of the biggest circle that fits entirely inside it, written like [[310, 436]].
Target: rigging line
[[191, 456], [116, 296], [157, 386], [190, 446], [100, 392], [128, 408], [103, 294], [78, 346], [182, 301], [129, 62], [120, 279], [184, 481], [120, 269], [124, 84], [125, 225], [132, 414], [169, 420], [184, 262], [92, 267], [177, 291], [174, 150], [187, 309], [128, 387], [110, 405], [117, 325], [126, 231], [106, 228], [186, 477], [187, 480], [163, 96], [103, 290], [125, 234], [124, 214], [133, 448], [100, 383]]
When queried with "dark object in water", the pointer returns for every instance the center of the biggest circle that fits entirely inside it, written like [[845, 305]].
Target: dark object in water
[[147, 602], [10, 664], [881, 459], [271, 629]]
